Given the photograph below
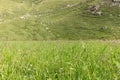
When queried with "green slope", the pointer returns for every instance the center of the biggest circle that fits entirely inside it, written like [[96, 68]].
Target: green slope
[[57, 19]]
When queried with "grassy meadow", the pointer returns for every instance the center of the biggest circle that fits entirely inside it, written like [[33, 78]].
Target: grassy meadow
[[60, 60], [49, 40]]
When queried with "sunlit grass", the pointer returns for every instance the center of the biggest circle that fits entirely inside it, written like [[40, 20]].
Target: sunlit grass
[[60, 60]]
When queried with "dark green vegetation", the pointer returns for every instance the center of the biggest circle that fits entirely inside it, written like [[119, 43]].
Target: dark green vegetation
[[57, 19], [68, 60]]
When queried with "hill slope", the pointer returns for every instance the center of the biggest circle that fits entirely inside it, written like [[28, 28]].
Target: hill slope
[[57, 19]]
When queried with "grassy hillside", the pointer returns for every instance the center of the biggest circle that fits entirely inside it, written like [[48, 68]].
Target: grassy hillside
[[57, 19]]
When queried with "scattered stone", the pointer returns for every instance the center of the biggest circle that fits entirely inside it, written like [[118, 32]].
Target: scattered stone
[[95, 8], [99, 13], [46, 28], [115, 3], [104, 28], [68, 5], [49, 31], [26, 16], [22, 17], [111, 14]]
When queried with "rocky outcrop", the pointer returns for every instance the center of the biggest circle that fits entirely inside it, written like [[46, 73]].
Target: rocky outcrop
[[95, 10], [111, 2]]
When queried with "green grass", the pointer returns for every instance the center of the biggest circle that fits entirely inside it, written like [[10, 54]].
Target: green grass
[[60, 60]]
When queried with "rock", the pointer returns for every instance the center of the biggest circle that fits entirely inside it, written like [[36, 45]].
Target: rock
[[99, 13], [68, 5], [95, 8], [111, 14], [46, 28], [26, 16], [104, 28]]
